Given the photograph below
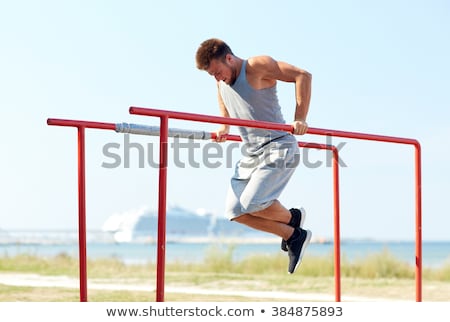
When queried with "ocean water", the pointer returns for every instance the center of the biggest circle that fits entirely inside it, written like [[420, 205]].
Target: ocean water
[[435, 253]]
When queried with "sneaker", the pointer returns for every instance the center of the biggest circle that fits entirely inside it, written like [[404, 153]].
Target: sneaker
[[296, 248], [302, 213]]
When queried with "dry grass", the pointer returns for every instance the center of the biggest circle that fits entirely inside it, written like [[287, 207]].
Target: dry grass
[[377, 276]]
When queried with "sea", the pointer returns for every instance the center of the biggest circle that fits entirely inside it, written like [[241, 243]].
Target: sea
[[197, 248]]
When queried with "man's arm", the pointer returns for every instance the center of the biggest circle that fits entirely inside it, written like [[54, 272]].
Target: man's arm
[[265, 71], [302, 99], [224, 129]]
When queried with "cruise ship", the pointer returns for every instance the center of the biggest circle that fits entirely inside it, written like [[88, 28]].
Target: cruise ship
[[181, 225]]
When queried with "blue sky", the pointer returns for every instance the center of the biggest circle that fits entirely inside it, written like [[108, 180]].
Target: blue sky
[[378, 67]]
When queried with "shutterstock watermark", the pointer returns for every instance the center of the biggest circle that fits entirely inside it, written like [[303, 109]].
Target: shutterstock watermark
[[190, 153]]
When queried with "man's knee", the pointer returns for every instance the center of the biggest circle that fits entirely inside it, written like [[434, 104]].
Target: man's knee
[[242, 219]]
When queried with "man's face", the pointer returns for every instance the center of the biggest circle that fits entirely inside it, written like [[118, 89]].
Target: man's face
[[222, 70]]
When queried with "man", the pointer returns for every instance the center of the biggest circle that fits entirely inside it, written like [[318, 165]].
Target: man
[[247, 90]]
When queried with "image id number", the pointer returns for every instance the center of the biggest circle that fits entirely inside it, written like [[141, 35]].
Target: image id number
[[307, 311]]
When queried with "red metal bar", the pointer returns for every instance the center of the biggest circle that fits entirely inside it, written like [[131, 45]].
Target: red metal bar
[[418, 159], [317, 131], [265, 125], [209, 119], [82, 214], [165, 115], [161, 251], [336, 207], [361, 136], [81, 125], [85, 124], [337, 226]]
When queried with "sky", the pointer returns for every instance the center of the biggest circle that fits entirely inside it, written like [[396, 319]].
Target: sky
[[378, 67]]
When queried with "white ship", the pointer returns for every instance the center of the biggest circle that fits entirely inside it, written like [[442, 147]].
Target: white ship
[[181, 224]]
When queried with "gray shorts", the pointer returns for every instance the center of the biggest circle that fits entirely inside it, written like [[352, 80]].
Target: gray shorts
[[261, 176]]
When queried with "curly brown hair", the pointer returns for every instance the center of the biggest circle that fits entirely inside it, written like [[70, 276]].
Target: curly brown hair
[[211, 49]]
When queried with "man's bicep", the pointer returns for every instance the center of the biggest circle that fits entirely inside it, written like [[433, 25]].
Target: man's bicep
[[287, 72]]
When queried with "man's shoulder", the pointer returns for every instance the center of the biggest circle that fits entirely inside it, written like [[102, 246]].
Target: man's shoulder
[[260, 66], [260, 61]]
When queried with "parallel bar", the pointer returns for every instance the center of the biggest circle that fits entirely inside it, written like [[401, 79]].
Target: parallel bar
[[210, 119], [317, 131], [165, 115], [266, 125]]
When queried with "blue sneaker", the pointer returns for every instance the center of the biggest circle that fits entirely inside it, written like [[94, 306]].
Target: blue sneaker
[[296, 248], [299, 216]]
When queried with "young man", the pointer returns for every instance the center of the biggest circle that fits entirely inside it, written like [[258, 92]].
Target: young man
[[247, 90]]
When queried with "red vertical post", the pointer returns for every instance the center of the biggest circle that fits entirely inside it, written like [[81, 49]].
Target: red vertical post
[[336, 212], [337, 235], [161, 243], [418, 158], [82, 213]]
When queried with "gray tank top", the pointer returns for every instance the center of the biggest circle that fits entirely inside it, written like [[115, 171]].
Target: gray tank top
[[244, 102]]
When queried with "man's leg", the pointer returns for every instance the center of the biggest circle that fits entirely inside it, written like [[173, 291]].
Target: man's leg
[[274, 219]]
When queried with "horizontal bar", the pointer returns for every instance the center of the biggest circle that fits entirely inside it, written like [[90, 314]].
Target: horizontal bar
[[362, 136], [266, 125], [210, 119], [140, 129], [155, 131], [85, 124]]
